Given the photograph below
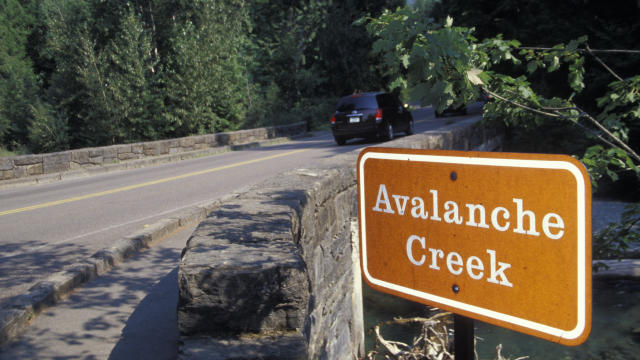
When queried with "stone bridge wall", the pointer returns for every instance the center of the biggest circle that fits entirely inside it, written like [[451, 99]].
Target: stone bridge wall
[[42, 165], [273, 273]]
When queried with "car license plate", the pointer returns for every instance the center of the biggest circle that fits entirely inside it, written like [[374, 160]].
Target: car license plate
[[355, 119]]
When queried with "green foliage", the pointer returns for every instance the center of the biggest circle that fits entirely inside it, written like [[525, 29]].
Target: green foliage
[[205, 78], [129, 68], [432, 60], [79, 73], [18, 83], [48, 130], [308, 51], [446, 66]]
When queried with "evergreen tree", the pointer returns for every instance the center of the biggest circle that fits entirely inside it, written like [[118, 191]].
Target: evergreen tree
[[343, 48], [101, 81], [76, 76], [128, 70], [204, 78], [18, 83]]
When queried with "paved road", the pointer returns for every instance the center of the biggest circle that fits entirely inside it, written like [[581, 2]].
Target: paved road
[[46, 227], [49, 226]]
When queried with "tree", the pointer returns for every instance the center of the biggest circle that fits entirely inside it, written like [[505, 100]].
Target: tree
[[19, 87], [308, 53], [76, 79], [204, 77], [128, 71], [96, 72], [342, 47], [103, 71]]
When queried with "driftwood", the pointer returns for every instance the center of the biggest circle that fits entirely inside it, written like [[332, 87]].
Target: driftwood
[[435, 341]]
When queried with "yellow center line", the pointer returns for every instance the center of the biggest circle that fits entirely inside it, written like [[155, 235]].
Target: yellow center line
[[149, 183]]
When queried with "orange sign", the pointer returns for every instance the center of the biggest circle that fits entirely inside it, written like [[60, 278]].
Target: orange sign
[[499, 237]]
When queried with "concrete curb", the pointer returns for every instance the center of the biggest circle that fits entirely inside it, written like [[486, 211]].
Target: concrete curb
[[139, 163]]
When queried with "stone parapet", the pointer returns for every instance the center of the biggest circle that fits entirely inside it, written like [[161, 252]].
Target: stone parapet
[[280, 261], [42, 165]]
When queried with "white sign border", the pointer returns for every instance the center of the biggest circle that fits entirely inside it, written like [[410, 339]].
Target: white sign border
[[519, 163]]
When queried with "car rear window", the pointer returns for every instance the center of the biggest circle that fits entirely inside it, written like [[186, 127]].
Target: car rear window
[[387, 101], [356, 102]]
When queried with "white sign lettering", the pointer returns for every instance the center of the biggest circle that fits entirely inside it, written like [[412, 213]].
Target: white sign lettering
[[455, 264], [500, 218]]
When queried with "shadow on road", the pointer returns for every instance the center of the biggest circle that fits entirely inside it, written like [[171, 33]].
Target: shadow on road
[[125, 314], [23, 264], [151, 331]]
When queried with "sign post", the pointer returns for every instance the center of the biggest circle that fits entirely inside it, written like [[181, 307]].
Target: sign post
[[498, 237], [463, 341]]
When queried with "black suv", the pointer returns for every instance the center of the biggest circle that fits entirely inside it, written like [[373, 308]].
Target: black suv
[[370, 114]]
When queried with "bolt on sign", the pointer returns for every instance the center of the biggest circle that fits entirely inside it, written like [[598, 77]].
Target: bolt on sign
[[499, 237]]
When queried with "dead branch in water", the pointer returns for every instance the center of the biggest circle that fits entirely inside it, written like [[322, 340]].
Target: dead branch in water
[[435, 341]]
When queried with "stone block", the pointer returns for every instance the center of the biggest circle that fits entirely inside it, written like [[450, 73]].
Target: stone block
[[6, 163], [339, 342], [56, 162], [164, 147], [80, 157], [96, 160], [122, 149], [7, 174], [109, 154], [126, 156], [198, 139], [190, 216], [35, 169], [27, 160], [137, 149], [241, 272], [187, 142], [20, 171], [151, 148], [218, 300], [210, 140]]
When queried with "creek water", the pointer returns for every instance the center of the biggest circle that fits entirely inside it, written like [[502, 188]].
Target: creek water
[[615, 333]]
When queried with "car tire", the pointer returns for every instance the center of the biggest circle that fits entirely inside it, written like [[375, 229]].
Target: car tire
[[340, 140], [388, 131], [410, 129]]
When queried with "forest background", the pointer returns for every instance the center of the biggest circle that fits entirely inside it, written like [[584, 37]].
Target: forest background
[[82, 73]]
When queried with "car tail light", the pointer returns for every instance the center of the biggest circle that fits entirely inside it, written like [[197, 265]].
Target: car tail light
[[379, 114], [333, 119]]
